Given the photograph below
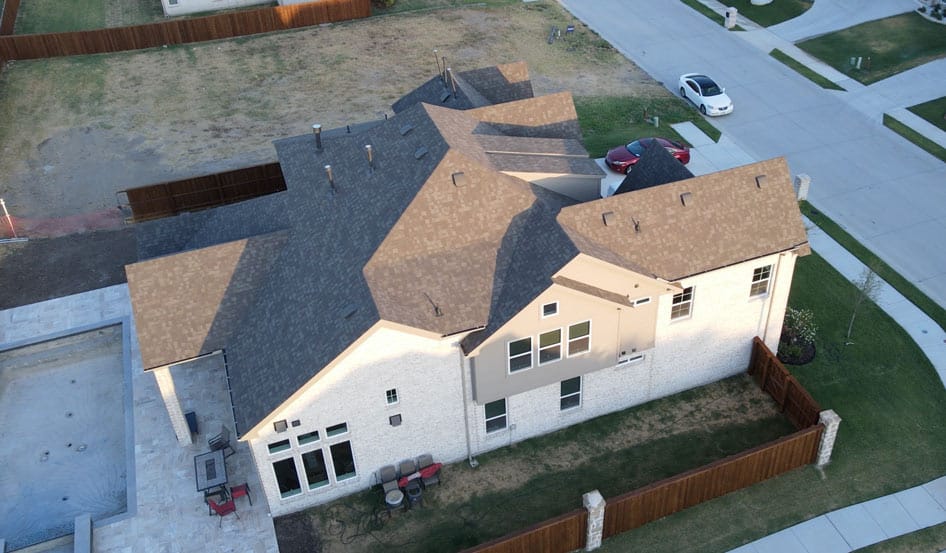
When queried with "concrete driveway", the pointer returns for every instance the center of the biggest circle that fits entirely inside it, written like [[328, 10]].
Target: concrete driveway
[[882, 189]]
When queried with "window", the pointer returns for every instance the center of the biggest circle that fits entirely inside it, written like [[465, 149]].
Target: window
[[633, 358], [276, 447], [286, 477], [520, 354], [496, 415], [316, 473], [550, 309], [391, 396], [308, 437], [760, 281], [571, 393], [579, 338], [550, 346], [641, 301], [682, 304], [343, 461], [336, 430]]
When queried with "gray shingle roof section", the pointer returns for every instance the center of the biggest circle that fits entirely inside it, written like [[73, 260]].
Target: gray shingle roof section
[[655, 167], [502, 144], [475, 88]]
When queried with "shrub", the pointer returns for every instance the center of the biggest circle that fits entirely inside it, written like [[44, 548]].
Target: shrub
[[799, 327]]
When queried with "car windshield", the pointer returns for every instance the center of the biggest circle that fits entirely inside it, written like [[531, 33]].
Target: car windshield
[[709, 88], [636, 148]]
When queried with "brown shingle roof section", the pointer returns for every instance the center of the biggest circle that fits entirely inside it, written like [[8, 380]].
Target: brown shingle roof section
[[728, 219], [191, 303], [551, 116]]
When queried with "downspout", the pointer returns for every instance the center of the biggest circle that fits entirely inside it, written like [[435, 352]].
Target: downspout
[[466, 417], [768, 313]]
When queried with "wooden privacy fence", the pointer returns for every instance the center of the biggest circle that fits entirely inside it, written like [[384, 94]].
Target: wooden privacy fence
[[170, 198], [769, 373], [180, 31], [557, 535], [8, 16], [669, 496]]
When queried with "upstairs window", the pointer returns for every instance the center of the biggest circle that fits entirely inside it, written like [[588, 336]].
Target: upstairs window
[[682, 304], [550, 309], [336, 430], [760, 281], [550, 346], [520, 354], [579, 338]]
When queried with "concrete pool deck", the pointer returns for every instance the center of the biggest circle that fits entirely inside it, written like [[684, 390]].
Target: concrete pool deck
[[167, 514]]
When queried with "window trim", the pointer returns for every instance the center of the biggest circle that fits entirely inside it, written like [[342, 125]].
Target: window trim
[[561, 335], [504, 415], [328, 476], [331, 455], [286, 442], [542, 310], [318, 438], [688, 303], [630, 359], [510, 357], [562, 397], [570, 339], [299, 481], [758, 272]]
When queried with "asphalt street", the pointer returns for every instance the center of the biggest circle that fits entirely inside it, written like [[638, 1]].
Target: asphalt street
[[885, 191]]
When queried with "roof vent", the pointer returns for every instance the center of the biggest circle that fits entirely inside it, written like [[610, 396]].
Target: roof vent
[[444, 96], [686, 198], [350, 310], [760, 181], [331, 178], [608, 218], [420, 152], [406, 129], [459, 179], [317, 131], [370, 153], [453, 81]]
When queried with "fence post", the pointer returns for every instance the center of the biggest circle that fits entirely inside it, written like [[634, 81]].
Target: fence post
[[831, 421], [594, 504]]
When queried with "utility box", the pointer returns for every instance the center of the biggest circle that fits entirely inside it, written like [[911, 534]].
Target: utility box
[[730, 21]]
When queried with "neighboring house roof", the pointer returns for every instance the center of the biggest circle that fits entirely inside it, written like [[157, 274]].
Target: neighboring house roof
[[693, 226], [656, 166]]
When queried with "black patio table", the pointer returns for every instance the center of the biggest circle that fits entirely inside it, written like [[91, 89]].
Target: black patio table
[[211, 470]]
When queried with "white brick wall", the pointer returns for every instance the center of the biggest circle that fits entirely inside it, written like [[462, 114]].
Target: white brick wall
[[426, 374]]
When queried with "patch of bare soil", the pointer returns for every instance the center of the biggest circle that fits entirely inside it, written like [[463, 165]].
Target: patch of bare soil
[[351, 526]]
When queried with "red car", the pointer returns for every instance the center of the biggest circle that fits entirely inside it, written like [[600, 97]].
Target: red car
[[622, 158]]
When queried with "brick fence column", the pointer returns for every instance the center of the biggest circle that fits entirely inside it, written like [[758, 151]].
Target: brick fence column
[[831, 421], [173, 405], [594, 503]]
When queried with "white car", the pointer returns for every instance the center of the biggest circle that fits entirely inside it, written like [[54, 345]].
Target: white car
[[705, 94]]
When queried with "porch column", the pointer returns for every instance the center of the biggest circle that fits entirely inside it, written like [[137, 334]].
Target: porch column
[[594, 504], [169, 394], [831, 421]]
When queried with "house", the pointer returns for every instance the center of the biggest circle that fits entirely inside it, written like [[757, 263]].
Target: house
[[445, 282]]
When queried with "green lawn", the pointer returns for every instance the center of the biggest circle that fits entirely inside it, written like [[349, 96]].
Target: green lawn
[[770, 14], [52, 16], [928, 540], [893, 434], [607, 122], [708, 12], [933, 111], [915, 137], [415, 5], [804, 71], [887, 46]]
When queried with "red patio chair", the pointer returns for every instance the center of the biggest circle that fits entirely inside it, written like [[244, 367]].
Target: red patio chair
[[240, 491], [223, 509]]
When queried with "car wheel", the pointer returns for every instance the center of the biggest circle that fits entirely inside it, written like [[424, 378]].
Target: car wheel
[[702, 109], [683, 92]]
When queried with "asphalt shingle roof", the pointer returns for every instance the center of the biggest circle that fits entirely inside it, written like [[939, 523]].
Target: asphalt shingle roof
[[656, 166]]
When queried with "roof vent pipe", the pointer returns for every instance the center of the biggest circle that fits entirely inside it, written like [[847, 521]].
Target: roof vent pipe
[[317, 131], [370, 153], [443, 75], [331, 178], [437, 59], [453, 82]]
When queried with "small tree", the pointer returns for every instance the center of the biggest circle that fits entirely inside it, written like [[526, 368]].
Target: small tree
[[867, 286]]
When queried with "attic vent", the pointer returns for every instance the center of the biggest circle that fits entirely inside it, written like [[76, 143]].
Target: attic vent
[[608, 218], [350, 310], [406, 129], [760, 181], [459, 179], [420, 152], [686, 198], [331, 178], [444, 96]]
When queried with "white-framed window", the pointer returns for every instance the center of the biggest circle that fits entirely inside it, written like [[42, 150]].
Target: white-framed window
[[281, 445], [311, 465], [579, 338], [549, 309], [760, 281], [520, 354], [316, 471], [625, 359], [336, 430], [495, 415], [682, 305], [287, 478], [308, 437], [570, 394], [343, 461], [391, 396], [550, 346]]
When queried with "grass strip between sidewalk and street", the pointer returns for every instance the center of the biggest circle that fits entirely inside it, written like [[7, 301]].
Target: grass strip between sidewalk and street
[[804, 70], [933, 111], [906, 288], [921, 141]]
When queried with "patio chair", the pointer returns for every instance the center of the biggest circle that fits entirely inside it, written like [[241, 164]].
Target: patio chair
[[241, 490], [407, 467], [217, 494], [221, 441], [388, 476], [423, 462], [223, 509]]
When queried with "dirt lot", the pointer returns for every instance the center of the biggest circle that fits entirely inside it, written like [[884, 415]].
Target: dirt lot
[[76, 131]]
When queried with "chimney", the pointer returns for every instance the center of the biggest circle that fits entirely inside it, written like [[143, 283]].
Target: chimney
[[370, 153], [317, 131], [331, 178]]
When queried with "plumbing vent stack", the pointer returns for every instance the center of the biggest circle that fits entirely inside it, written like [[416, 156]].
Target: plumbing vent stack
[[331, 178], [370, 153], [453, 81], [317, 131], [437, 59], [443, 75], [686, 198]]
